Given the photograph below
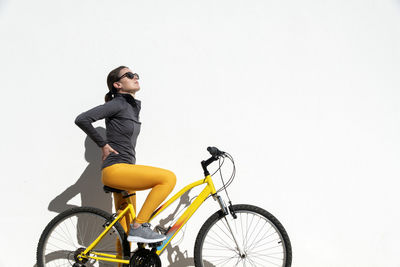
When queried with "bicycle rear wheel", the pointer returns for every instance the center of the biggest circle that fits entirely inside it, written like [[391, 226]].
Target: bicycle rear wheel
[[261, 237], [73, 230]]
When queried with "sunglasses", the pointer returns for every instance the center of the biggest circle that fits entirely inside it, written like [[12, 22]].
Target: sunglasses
[[130, 75]]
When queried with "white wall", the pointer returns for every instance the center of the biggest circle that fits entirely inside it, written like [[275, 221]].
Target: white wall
[[303, 94]]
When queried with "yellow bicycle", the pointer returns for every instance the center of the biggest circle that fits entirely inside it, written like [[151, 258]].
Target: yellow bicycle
[[235, 235]]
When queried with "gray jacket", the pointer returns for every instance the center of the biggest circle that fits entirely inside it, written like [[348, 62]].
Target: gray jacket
[[122, 127]]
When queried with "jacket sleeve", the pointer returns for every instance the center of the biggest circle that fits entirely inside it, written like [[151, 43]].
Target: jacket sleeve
[[85, 120]]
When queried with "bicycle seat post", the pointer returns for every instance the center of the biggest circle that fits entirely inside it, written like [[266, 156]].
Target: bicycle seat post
[[124, 194]]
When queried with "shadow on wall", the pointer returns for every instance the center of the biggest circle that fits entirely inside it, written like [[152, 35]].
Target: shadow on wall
[[88, 185], [90, 188]]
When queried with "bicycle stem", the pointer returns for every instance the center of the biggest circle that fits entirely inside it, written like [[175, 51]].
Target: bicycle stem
[[207, 162]]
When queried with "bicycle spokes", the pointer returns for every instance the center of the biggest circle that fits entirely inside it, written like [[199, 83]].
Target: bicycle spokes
[[259, 242]]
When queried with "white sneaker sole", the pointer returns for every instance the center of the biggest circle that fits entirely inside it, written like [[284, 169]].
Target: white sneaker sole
[[144, 240]]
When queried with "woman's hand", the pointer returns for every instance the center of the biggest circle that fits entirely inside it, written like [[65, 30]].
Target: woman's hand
[[107, 149]]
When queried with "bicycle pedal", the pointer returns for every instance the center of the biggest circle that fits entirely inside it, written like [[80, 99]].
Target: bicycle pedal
[[155, 244], [152, 245]]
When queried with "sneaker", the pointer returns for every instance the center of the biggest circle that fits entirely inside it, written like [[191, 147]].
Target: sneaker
[[143, 234]]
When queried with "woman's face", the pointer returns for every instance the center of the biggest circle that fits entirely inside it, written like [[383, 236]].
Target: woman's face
[[126, 85]]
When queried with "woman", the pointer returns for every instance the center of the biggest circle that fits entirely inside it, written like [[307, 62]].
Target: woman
[[121, 112]]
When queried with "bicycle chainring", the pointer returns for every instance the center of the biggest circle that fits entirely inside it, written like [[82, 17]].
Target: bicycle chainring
[[144, 258]]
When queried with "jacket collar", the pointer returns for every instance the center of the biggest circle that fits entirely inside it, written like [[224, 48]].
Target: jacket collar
[[130, 99]]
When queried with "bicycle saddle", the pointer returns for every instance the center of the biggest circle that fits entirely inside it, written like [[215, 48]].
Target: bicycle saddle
[[109, 189]]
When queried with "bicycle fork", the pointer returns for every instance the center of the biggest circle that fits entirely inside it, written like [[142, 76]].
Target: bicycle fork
[[226, 212]]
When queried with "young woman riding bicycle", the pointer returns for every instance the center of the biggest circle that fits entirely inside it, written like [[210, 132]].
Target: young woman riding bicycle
[[121, 113]]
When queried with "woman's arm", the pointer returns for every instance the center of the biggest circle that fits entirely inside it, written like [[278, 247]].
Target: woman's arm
[[85, 119]]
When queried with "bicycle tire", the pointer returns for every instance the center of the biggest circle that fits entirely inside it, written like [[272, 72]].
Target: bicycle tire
[[89, 223], [223, 255]]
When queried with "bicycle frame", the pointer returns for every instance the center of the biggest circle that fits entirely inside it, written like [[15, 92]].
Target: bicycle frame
[[173, 230]]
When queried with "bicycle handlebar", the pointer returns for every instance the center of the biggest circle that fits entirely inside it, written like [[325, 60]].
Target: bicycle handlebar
[[215, 151]]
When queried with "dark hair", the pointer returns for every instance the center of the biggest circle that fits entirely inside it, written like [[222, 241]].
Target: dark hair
[[111, 79]]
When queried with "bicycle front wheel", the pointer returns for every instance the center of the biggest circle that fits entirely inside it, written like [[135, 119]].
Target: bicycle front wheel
[[73, 230], [261, 239]]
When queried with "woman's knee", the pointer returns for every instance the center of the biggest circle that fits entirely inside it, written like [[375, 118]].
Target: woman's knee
[[171, 179]]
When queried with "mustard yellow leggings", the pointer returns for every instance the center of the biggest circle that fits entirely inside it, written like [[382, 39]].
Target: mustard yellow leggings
[[133, 178]]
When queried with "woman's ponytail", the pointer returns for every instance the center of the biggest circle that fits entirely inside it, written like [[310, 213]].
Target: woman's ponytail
[[108, 96], [112, 77]]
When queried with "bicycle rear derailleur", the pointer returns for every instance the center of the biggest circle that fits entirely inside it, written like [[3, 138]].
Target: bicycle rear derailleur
[[144, 258]]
